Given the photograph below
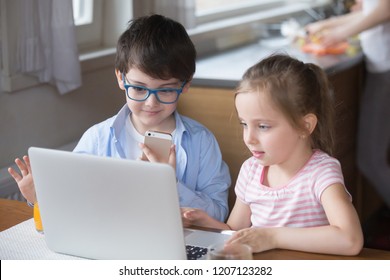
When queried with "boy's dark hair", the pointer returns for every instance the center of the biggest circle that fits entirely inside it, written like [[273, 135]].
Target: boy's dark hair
[[158, 46], [297, 89]]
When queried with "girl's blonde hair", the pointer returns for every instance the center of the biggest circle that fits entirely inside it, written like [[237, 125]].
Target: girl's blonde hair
[[297, 89]]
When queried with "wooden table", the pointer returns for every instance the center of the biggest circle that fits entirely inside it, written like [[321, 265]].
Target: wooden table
[[13, 212]]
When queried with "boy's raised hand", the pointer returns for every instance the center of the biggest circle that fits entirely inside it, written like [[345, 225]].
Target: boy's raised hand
[[24, 179]]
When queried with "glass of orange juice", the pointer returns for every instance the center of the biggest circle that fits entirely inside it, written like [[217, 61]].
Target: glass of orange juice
[[37, 218]]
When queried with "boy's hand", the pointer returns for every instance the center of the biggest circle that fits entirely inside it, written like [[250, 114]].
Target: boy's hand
[[148, 155], [24, 179], [193, 216]]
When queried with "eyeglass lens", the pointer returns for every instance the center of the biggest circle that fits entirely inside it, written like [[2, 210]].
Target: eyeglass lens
[[141, 94]]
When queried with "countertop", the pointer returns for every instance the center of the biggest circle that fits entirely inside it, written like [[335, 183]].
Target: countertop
[[226, 69]]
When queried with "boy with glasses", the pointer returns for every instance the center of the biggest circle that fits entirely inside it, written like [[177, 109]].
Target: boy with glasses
[[155, 63]]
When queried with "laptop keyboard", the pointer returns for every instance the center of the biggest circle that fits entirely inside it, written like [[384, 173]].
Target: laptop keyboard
[[195, 252]]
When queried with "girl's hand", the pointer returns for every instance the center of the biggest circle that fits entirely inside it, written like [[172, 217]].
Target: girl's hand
[[259, 239], [24, 179], [193, 216]]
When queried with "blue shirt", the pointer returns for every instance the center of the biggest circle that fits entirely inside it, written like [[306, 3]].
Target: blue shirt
[[203, 177]]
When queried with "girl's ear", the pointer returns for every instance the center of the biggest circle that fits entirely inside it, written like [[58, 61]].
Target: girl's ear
[[118, 75], [310, 123]]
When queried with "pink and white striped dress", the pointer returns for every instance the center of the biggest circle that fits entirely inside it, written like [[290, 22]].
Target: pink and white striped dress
[[296, 204]]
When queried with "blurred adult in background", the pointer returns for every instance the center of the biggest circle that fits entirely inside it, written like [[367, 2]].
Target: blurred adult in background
[[370, 19], [356, 6]]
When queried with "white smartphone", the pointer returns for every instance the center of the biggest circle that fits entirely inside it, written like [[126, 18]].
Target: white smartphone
[[159, 142]]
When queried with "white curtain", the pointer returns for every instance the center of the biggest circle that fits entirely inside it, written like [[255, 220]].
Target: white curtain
[[47, 45]]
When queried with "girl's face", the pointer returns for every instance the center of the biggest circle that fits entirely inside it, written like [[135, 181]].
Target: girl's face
[[150, 114], [266, 131]]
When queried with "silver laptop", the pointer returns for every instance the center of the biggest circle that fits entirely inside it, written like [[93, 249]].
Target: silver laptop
[[108, 208]]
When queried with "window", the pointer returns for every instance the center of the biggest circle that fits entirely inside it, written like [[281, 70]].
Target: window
[[100, 22], [214, 25], [222, 24], [82, 12], [88, 20], [91, 34], [207, 11]]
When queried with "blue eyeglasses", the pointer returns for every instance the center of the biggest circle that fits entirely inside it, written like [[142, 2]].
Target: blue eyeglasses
[[141, 93]]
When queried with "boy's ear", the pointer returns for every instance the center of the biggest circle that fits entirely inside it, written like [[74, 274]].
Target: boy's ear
[[186, 86], [310, 123], [118, 75]]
